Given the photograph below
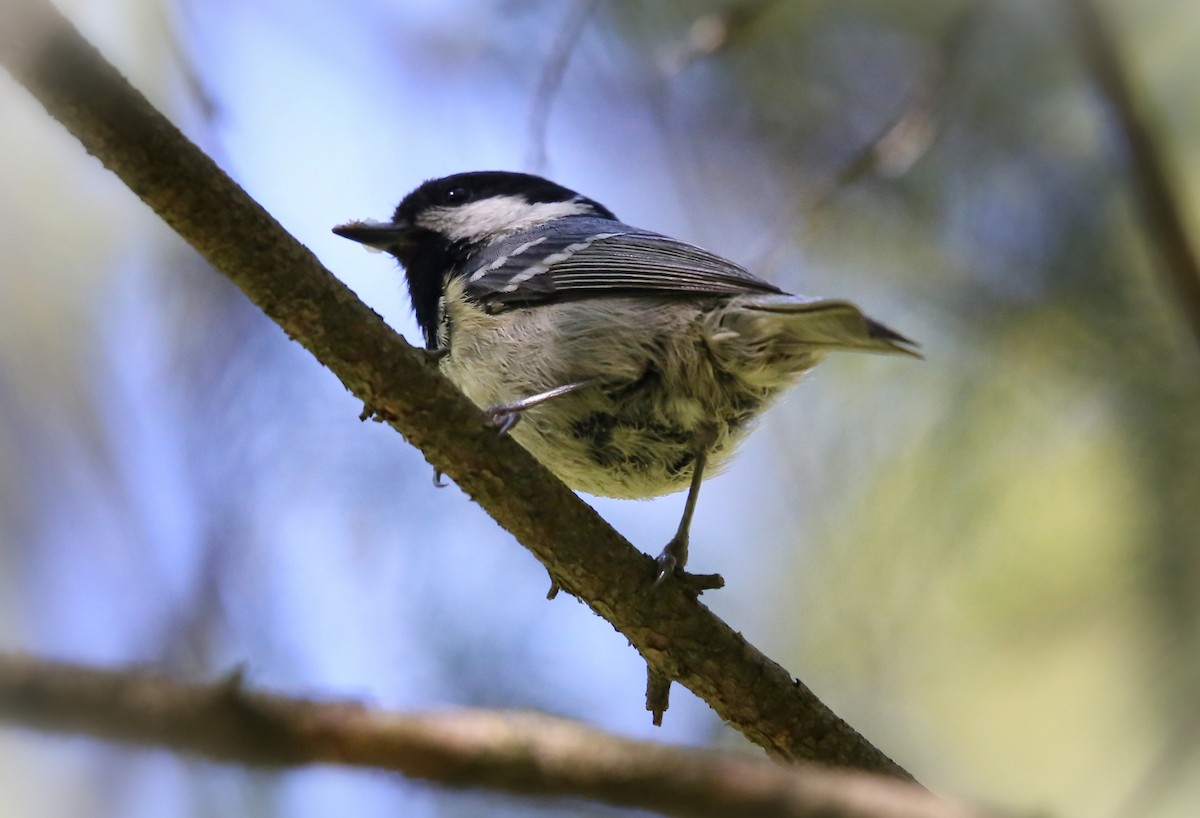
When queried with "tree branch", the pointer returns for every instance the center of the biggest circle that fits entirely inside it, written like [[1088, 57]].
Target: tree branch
[[515, 752], [1161, 209], [679, 638], [551, 80], [897, 145]]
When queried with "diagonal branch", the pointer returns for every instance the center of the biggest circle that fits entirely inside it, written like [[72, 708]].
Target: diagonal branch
[[1161, 209], [522, 753], [551, 81], [678, 637], [898, 144]]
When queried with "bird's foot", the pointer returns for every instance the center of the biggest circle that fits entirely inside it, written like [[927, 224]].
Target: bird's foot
[[670, 564], [502, 418]]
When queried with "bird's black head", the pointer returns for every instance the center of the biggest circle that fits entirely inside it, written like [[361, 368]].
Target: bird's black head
[[440, 225]]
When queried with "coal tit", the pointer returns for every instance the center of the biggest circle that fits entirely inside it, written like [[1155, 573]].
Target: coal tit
[[634, 362]]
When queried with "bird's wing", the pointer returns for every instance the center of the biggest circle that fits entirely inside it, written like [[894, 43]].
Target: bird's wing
[[585, 257]]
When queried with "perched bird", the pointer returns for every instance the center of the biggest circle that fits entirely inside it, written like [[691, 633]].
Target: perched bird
[[634, 362]]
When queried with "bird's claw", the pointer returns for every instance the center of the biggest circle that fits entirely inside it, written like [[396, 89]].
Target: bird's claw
[[665, 565], [502, 419]]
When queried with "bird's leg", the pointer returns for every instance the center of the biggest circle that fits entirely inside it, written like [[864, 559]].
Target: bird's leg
[[674, 557], [504, 416]]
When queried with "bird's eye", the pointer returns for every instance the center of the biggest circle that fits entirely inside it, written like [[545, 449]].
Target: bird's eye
[[456, 195]]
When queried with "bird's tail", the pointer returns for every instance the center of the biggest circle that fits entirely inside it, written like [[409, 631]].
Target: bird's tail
[[815, 323]]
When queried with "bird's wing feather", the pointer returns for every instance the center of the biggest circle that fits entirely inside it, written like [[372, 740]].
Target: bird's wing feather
[[582, 257]]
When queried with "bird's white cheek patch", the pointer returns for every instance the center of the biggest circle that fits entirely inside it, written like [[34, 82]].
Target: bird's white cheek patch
[[496, 217]]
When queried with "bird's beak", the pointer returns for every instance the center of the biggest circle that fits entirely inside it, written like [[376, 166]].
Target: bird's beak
[[387, 236]]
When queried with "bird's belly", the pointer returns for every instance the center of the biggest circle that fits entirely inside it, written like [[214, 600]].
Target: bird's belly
[[616, 451], [631, 448], [658, 397], [632, 439]]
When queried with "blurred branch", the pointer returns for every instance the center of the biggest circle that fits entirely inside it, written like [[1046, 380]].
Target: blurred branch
[[905, 139], [679, 638], [710, 34], [902, 140], [1162, 211], [551, 81], [514, 752]]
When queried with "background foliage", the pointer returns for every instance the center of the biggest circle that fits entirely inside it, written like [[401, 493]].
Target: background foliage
[[985, 562]]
